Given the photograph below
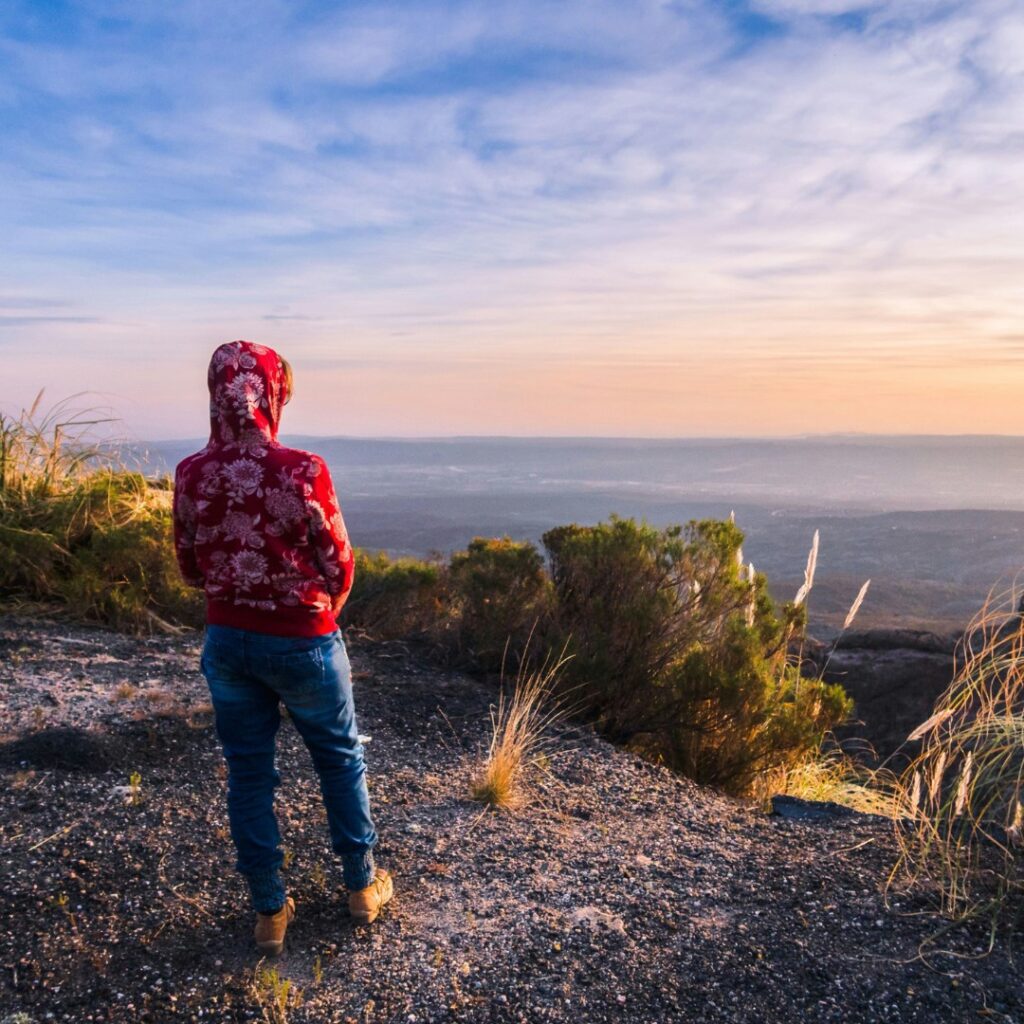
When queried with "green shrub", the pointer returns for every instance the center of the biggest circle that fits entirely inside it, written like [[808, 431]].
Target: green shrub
[[676, 648], [499, 593], [680, 655], [395, 598]]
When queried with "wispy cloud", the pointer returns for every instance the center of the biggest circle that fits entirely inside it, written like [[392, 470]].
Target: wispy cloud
[[810, 184], [23, 321]]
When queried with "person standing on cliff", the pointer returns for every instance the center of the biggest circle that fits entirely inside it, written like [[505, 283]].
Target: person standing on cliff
[[258, 527]]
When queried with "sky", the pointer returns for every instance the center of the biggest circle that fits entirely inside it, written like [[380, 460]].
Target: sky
[[633, 217]]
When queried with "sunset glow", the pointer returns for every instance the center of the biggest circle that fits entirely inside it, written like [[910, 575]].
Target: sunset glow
[[692, 218]]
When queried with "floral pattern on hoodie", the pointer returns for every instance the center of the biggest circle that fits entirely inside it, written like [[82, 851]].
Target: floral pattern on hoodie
[[258, 525]]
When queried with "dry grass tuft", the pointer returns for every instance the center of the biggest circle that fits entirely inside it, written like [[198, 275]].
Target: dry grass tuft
[[836, 776], [963, 793], [518, 725]]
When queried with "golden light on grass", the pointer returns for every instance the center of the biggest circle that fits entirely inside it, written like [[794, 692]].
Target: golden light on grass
[[80, 527], [831, 774], [855, 607], [518, 726], [274, 994], [837, 777], [812, 566], [964, 829]]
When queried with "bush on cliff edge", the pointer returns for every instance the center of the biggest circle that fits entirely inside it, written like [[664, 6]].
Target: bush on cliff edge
[[679, 652]]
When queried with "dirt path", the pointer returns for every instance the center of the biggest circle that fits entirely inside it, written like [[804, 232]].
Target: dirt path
[[623, 894]]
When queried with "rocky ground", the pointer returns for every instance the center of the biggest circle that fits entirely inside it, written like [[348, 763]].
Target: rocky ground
[[619, 893]]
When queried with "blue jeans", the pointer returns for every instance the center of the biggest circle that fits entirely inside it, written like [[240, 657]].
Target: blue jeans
[[249, 675]]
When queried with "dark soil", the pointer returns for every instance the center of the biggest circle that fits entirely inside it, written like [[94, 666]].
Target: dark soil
[[619, 893]]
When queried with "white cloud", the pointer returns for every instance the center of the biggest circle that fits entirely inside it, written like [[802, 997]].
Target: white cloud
[[650, 182]]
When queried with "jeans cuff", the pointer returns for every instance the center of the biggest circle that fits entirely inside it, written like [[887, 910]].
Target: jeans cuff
[[267, 891], [358, 869]]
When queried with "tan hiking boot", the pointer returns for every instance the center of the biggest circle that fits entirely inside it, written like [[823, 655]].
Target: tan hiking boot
[[364, 904], [270, 929]]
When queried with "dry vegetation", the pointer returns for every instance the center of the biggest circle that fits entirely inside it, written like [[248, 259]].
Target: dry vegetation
[[518, 727], [79, 529], [275, 995], [962, 795]]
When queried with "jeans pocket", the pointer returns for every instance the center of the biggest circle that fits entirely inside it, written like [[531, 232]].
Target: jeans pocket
[[296, 675]]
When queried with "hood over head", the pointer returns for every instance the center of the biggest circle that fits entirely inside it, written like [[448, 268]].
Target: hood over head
[[247, 390]]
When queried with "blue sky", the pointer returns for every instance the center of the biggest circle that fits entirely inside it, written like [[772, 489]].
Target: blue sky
[[661, 218]]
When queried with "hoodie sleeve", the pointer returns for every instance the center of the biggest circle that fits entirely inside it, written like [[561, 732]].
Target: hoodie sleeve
[[184, 515], [328, 535]]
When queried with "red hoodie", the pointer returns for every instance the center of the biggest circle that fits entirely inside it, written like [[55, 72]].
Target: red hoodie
[[257, 525]]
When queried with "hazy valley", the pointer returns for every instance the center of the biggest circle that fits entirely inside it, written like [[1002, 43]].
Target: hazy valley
[[933, 522]]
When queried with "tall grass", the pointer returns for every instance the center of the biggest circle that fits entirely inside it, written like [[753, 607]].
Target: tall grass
[[963, 792], [518, 727], [79, 530], [827, 772], [41, 450]]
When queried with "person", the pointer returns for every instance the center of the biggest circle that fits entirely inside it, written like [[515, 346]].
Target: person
[[258, 527]]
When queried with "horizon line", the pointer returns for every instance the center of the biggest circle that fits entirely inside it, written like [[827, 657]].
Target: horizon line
[[825, 436]]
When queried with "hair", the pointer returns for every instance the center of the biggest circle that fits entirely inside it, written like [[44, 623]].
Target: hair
[[288, 379]]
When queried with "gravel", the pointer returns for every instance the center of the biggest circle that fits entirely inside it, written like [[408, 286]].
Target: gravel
[[620, 893]]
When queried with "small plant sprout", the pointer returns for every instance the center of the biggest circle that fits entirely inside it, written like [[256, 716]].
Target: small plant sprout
[[318, 971], [276, 996], [62, 903], [318, 876], [135, 788]]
